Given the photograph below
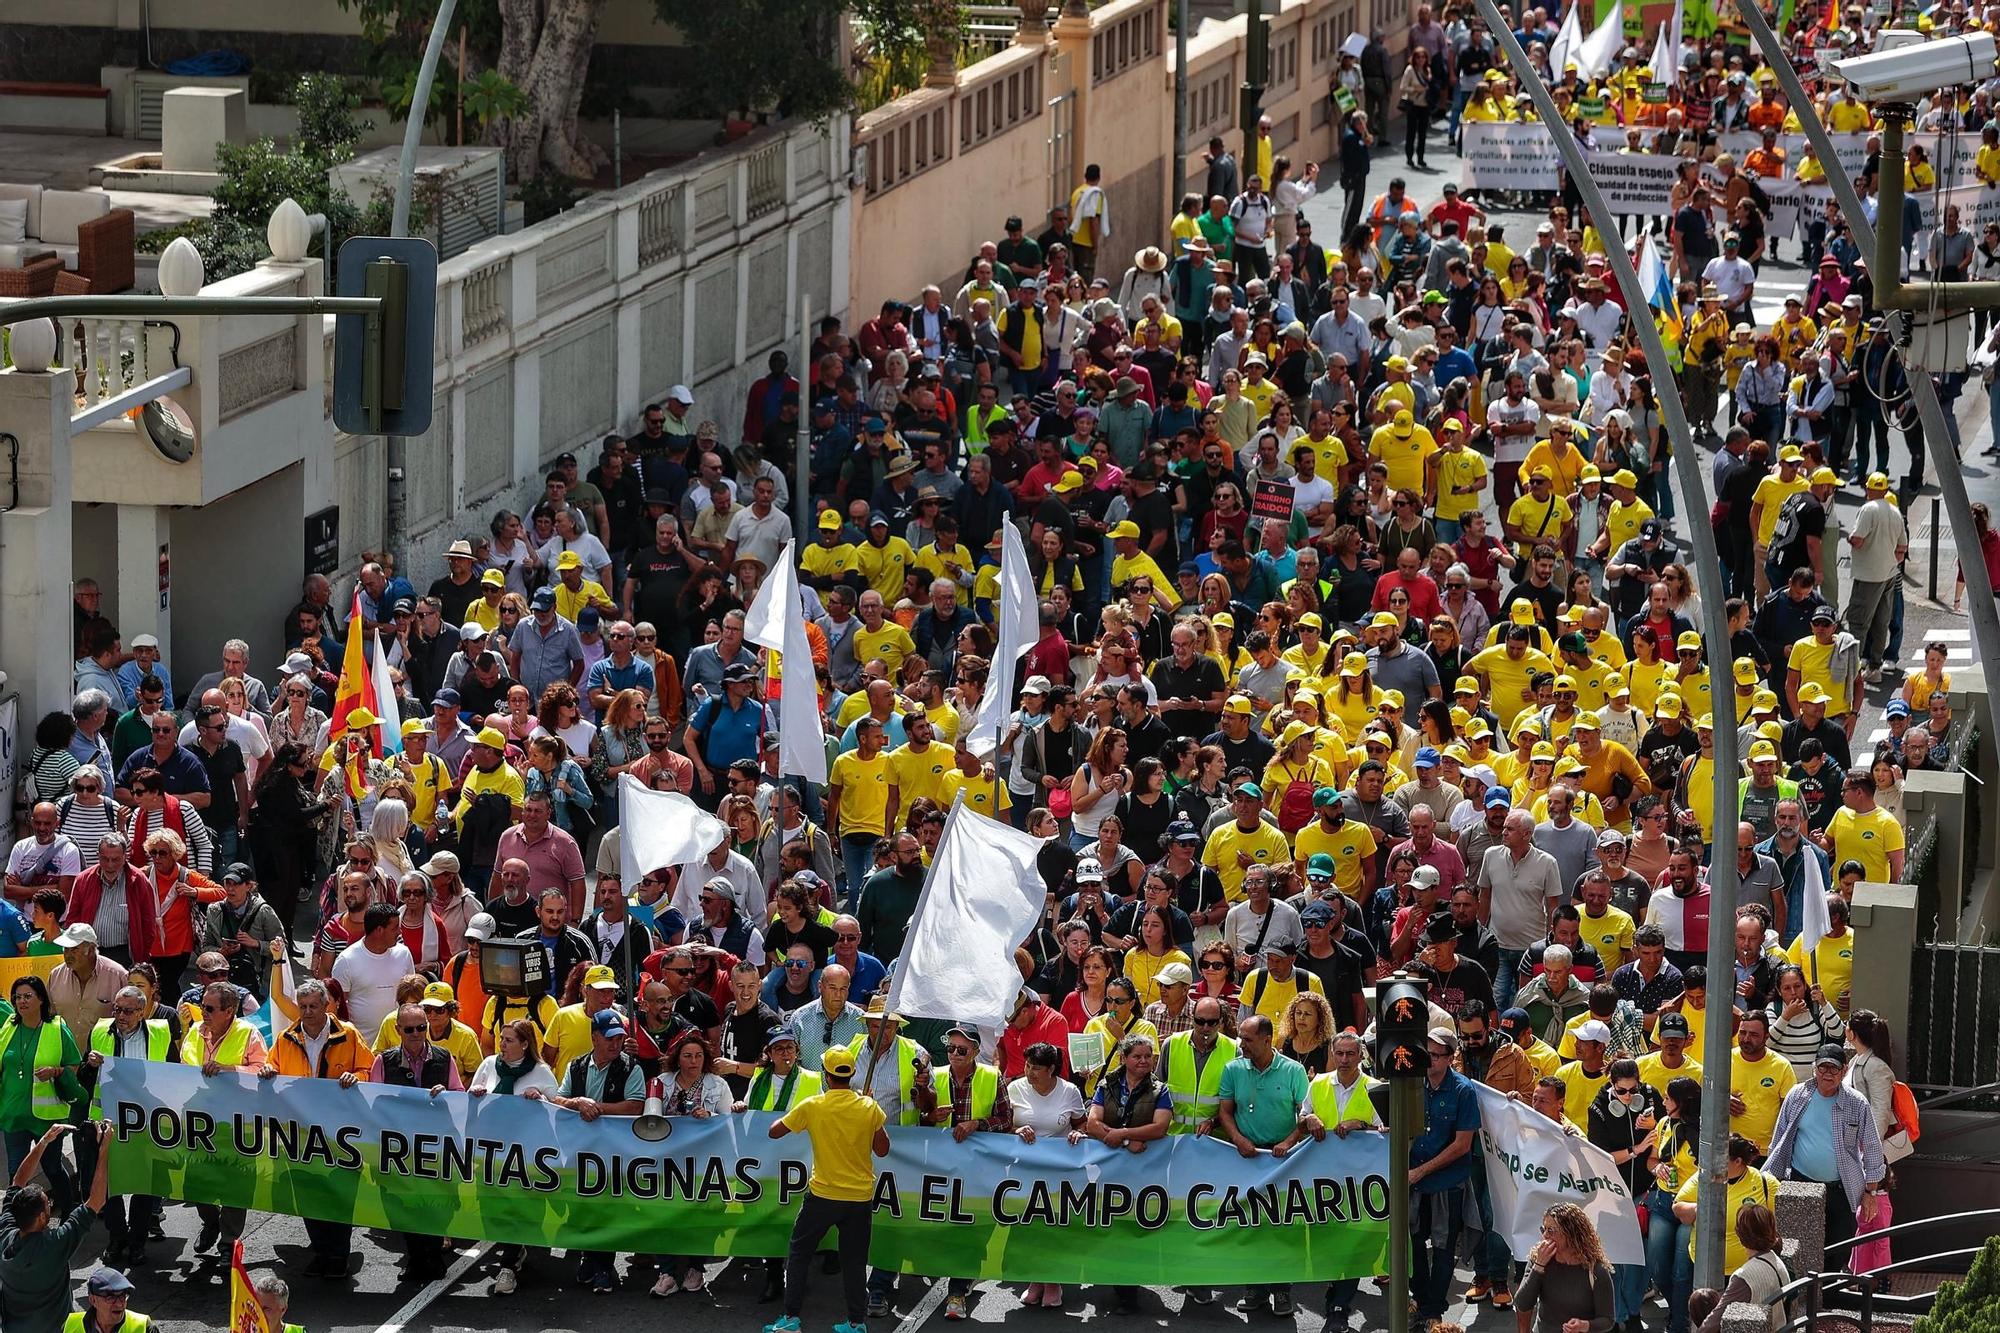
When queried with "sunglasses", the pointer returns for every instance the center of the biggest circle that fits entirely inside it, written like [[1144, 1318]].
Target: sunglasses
[[960, 1050], [88, 786], [848, 935], [410, 1031], [798, 964], [1208, 966], [680, 971], [1208, 1022]]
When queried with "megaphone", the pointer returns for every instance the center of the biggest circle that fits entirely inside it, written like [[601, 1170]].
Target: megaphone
[[652, 1124]]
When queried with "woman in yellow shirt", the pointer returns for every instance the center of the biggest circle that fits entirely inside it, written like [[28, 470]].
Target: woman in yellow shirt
[[1155, 949], [1932, 678], [1355, 698], [1293, 775], [1646, 673], [1119, 1020]]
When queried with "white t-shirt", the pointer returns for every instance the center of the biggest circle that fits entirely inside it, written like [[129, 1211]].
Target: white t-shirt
[[763, 537], [1046, 1115], [588, 549], [1500, 412], [1730, 276], [369, 980], [247, 737], [46, 861], [1306, 494]]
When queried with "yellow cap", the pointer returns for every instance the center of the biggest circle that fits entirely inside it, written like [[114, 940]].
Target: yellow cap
[[1825, 476], [1069, 481], [439, 993], [1294, 732], [1384, 620], [1667, 705], [829, 520], [414, 727], [491, 738], [1310, 620], [1522, 612], [1588, 475], [1404, 424], [1353, 664], [568, 560], [1812, 692], [1222, 620], [1744, 670], [361, 719], [600, 977], [493, 578], [1567, 765], [1763, 701], [1238, 703], [1763, 751], [1688, 639], [1587, 722], [1123, 528], [1566, 683], [1391, 699], [1542, 751], [1706, 722], [1466, 685]]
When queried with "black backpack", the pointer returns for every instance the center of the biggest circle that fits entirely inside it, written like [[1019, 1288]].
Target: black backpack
[[1790, 519]]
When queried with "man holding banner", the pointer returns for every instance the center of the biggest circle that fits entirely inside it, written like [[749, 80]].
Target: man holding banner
[[845, 1128], [129, 1033]]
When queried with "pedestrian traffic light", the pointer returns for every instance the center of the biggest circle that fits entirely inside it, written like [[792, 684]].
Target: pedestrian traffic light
[[382, 361], [1402, 1026]]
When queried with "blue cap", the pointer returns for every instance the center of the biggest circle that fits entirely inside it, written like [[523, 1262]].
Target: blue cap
[[589, 618], [874, 424], [543, 600], [1497, 799], [878, 517], [1896, 708], [1427, 757], [607, 1023], [782, 1032], [445, 698]]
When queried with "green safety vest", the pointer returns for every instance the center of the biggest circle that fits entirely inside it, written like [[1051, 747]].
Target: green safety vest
[[134, 1323], [194, 1046], [1194, 1101], [158, 1035], [906, 1067], [48, 1052], [985, 1087], [770, 1094], [1330, 1101]]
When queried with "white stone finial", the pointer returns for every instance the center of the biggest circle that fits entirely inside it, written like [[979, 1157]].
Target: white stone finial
[[289, 232], [181, 271], [32, 344]]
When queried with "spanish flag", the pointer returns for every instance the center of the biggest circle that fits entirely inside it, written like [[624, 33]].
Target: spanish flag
[[245, 1315], [356, 690]]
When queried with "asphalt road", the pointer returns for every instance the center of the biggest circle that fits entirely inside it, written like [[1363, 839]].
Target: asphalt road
[[187, 1294]]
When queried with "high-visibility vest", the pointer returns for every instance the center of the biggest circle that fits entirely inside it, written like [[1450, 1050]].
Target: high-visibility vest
[[194, 1046], [1195, 1100], [780, 1094], [1330, 1101], [134, 1323], [158, 1035], [906, 1069], [985, 1087], [48, 1053]]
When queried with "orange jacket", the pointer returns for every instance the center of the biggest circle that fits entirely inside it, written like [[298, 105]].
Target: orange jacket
[[344, 1053]]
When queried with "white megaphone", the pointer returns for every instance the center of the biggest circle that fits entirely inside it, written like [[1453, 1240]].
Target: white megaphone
[[652, 1124]]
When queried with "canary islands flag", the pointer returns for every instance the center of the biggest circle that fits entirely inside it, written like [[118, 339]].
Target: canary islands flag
[[1659, 289]]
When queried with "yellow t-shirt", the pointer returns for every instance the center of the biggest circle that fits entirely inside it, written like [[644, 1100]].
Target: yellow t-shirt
[[1332, 454], [1580, 1089], [1355, 711], [1542, 1057], [1813, 661], [1771, 493], [892, 643], [570, 1035], [827, 562], [884, 566], [1762, 1085], [1832, 966], [1261, 393], [1141, 565], [1754, 1186], [914, 775], [1458, 467], [480, 612], [1865, 838], [979, 793], [1264, 844], [1350, 845], [1508, 677], [944, 721], [852, 707], [1654, 1073], [502, 779], [1567, 467], [1921, 688], [864, 792], [427, 781], [461, 1041], [1404, 457], [1623, 522], [1647, 681], [1271, 998], [587, 593], [1610, 935], [1541, 522], [1848, 116], [931, 561], [842, 1125]]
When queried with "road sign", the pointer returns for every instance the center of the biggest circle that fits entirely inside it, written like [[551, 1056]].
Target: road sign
[[1402, 1021], [382, 363]]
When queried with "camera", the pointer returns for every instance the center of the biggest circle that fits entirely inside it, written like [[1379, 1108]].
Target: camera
[[1905, 66]]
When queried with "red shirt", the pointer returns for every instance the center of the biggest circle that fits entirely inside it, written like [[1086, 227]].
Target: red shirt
[[1046, 1025], [1423, 593], [1483, 563], [1050, 657], [1036, 482], [1461, 212]]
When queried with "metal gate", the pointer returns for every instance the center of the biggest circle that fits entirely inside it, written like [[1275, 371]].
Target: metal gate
[[1063, 171], [1954, 1037]]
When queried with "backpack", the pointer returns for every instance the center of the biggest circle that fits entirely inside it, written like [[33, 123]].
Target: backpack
[[1295, 806], [1786, 530]]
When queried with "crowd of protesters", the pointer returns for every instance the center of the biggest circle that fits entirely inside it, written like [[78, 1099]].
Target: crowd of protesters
[[1367, 641]]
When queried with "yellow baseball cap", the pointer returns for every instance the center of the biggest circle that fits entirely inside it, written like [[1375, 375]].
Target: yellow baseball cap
[[1385, 620], [1123, 528], [438, 994], [1353, 664], [491, 738], [1825, 476], [1586, 722], [1238, 703], [1457, 752], [1567, 765], [1706, 722], [1404, 424], [1762, 751], [1667, 705], [1310, 620], [600, 977], [569, 560], [1294, 732], [1522, 612], [1688, 639], [829, 520], [414, 727], [1465, 685], [1763, 701], [1790, 454], [1566, 683], [361, 719], [1222, 620], [493, 578], [1069, 481], [1542, 751], [1877, 482], [1390, 698], [1744, 670], [1624, 477], [1588, 475], [1812, 692]]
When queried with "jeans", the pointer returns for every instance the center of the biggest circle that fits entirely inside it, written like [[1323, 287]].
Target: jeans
[[857, 862], [1667, 1260], [1448, 529], [1340, 1295], [1993, 412], [1508, 979], [226, 848], [62, 1188], [1494, 1262], [1438, 1219], [1894, 650], [817, 1216], [1872, 426], [1628, 1290]]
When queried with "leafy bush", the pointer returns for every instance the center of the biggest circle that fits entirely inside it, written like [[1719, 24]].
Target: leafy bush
[[1971, 1306], [545, 195]]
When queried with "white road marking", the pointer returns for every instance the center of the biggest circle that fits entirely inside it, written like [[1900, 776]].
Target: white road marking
[[925, 1308], [420, 1302]]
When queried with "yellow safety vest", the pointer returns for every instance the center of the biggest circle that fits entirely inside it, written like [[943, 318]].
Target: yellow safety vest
[[158, 1034], [1330, 1101], [985, 1087], [134, 1323], [1194, 1100], [229, 1055], [767, 1093], [48, 1053], [906, 1068]]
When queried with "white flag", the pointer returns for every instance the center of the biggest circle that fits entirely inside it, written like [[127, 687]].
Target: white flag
[[1532, 1164], [1569, 38], [1600, 50], [983, 896], [1813, 921], [776, 620], [1666, 63], [1017, 624], [386, 708], [664, 828]]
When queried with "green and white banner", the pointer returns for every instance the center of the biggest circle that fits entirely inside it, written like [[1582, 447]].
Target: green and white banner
[[511, 1170]]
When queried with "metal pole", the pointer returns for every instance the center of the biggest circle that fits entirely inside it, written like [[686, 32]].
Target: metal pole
[[1722, 883], [1256, 69], [1950, 474], [1177, 174], [1405, 1114], [802, 516], [420, 102], [1934, 547], [617, 149]]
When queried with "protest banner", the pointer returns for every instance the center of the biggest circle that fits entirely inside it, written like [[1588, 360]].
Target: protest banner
[[1531, 1165], [1634, 182], [507, 1169], [1501, 155], [1273, 499]]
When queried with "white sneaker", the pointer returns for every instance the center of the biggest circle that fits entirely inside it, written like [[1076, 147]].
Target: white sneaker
[[666, 1286], [504, 1282]]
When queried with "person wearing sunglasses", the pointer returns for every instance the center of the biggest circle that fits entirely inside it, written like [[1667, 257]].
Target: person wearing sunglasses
[[970, 1100], [221, 1041], [417, 1063]]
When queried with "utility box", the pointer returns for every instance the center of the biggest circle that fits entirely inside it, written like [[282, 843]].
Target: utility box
[[194, 120]]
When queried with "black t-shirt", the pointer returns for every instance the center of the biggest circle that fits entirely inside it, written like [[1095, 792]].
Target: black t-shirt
[[1252, 752], [1197, 891], [624, 507], [1547, 600], [1658, 747], [743, 1040], [1811, 520], [1155, 513], [510, 918], [478, 699], [1339, 975], [453, 598], [779, 937], [661, 577], [222, 768], [1200, 679], [1819, 793], [697, 1008], [1125, 922]]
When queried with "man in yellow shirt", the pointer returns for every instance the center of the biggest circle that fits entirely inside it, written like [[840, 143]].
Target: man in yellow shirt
[[1540, 515], [1605, 928], [1628, 513], [1403, 447], [1758, 1081], [844, 1128], [1862, 831], [879, 636], [1394, 396], [1245, 841], [1258, 386], [484, 610], [1456, 477], [917, 768], [859, 804], [1503, 672], [490, 771], [1671, 1061], [883, 560], [1810, 670], [1132, 563], [574, 591], [827, 559], [1349, 843], [1830, 966]]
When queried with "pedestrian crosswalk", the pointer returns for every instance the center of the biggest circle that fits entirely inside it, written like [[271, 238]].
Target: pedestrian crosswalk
[[1957, 641]]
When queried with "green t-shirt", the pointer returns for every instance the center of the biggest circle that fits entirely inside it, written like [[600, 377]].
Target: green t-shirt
[[1266, 1104], [41, 948]]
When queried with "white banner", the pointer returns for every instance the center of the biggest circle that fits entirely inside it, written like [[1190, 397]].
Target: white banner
[[10, 758], [1531, 1165], [983, 896], [1507, 156], [776, 619]]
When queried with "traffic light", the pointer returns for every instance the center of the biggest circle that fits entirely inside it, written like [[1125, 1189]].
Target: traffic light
[[1402, 1026], [382, 362]]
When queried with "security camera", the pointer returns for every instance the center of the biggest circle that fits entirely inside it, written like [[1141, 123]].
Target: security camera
[[1906, 68]]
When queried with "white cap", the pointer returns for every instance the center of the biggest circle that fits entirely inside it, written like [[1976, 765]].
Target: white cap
[[471, 631], [80, 933], [1593, 1030], [679, 394], [1424, 877], [145, 641], [481, 927]]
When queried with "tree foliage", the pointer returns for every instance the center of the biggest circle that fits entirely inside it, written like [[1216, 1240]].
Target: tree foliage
[[1971, 1306], [762, 54]]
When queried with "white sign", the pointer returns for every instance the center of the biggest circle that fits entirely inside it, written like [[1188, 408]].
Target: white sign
[[1355, 44], [1508, 156], [1531, 1165]]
